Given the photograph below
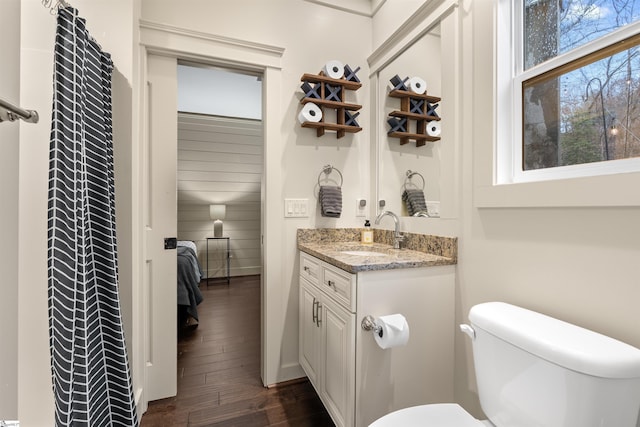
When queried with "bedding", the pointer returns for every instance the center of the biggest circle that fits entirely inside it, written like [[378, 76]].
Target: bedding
[[188, 244], [189, 276]]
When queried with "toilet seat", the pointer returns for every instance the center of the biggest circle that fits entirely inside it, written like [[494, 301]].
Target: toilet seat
[[436, 415]]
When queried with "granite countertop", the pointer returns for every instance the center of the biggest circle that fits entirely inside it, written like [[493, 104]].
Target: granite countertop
[[331, 248]]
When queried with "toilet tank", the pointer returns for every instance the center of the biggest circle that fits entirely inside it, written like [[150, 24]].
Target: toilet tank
[[536, 371]]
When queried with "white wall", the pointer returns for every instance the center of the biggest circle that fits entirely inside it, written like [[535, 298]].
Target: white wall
[[311, 35], [390, 17], [9, 140], [34, 372], [578, 264], [220, 162]]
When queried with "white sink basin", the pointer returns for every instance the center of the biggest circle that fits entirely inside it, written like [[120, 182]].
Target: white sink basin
[[362, 253]]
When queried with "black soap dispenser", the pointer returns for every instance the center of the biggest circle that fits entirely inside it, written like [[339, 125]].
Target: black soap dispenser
[[367, 233]]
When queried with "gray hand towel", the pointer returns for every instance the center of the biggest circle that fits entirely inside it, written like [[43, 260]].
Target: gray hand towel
[[414, 200], [330, 198]]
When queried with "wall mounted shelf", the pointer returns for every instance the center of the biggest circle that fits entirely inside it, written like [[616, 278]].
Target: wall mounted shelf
[[332, 104], [321, 78], [334, 88], [422, 118]]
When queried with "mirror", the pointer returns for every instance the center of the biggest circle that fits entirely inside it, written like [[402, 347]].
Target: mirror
[[409, 166]]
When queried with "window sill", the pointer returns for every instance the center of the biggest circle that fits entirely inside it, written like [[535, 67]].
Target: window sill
[[600, 191]]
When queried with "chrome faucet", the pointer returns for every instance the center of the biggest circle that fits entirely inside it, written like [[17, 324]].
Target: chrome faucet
[[397, 236]]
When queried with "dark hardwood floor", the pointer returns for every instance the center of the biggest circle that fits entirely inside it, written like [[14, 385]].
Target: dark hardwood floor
[[219, 370]]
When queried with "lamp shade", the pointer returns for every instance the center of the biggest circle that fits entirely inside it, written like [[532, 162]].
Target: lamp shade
[[217, 211]]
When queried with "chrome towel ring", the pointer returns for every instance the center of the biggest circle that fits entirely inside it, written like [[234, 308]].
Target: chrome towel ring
[[410, 175], [327, 170]]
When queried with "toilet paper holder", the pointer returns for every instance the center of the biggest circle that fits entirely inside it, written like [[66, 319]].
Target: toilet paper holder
[[369, 324]]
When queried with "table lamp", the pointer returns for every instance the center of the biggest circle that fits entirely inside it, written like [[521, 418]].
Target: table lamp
[[217, 213]]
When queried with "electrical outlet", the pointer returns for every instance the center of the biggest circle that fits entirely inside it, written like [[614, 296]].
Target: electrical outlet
[[433, 208], [361, 207]]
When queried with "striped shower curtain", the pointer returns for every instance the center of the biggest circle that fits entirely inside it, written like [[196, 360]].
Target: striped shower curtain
[[91, 378]]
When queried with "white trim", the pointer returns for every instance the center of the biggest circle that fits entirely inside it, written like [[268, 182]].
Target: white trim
[[138, 264], [376, 5], [602, 191], [610, 167], [452, 94], [377, 118], [504, 125], [602, 42], [196, 45], [418, 24], [367, 9]]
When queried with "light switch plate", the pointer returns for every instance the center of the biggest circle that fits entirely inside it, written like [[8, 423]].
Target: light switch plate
[[296, 208]]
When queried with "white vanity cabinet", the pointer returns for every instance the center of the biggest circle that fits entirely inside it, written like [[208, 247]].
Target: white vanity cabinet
[[357, 380], [327, 336]]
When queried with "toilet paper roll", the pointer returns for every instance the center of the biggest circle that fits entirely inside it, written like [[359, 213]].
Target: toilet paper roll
[[333, 69], [394, 331], [433, 128], [417, 85], [310, 113]]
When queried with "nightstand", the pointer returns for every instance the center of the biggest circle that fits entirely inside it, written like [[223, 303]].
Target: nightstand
[[227, 256]]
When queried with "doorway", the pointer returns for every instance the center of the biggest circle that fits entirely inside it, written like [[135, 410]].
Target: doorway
[[221, 164], [220, 167], [219, 192], [166, 44]]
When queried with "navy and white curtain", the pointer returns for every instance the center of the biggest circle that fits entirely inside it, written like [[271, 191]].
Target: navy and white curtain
[[91, 378]]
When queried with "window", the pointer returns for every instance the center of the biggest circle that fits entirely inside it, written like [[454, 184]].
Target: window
[[569, 95]]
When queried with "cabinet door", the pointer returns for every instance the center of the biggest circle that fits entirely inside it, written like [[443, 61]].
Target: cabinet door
[[310, 331], [338, 362]]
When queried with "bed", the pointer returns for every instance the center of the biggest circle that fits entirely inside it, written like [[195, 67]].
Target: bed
[[189, 276]]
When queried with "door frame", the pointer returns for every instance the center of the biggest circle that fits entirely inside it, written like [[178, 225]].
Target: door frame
[[189, 45]]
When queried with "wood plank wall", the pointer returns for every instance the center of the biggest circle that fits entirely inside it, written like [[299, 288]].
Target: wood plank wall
[[220, 161]]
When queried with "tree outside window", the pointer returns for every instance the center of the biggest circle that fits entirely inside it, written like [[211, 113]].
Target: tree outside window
[[585, 109]]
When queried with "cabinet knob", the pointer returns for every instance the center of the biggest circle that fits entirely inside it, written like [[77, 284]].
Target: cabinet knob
[[305, 268], [331, 283]]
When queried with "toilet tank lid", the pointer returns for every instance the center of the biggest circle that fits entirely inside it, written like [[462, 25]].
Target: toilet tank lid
[[556, 341]]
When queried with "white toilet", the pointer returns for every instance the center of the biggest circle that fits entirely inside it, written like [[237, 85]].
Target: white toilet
[[536, 371]]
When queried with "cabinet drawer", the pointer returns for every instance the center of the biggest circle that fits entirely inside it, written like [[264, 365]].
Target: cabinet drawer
[[340, 285], [310, 268]]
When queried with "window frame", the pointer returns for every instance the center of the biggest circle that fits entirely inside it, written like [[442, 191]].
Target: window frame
[[510, 77], [490, 134]]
